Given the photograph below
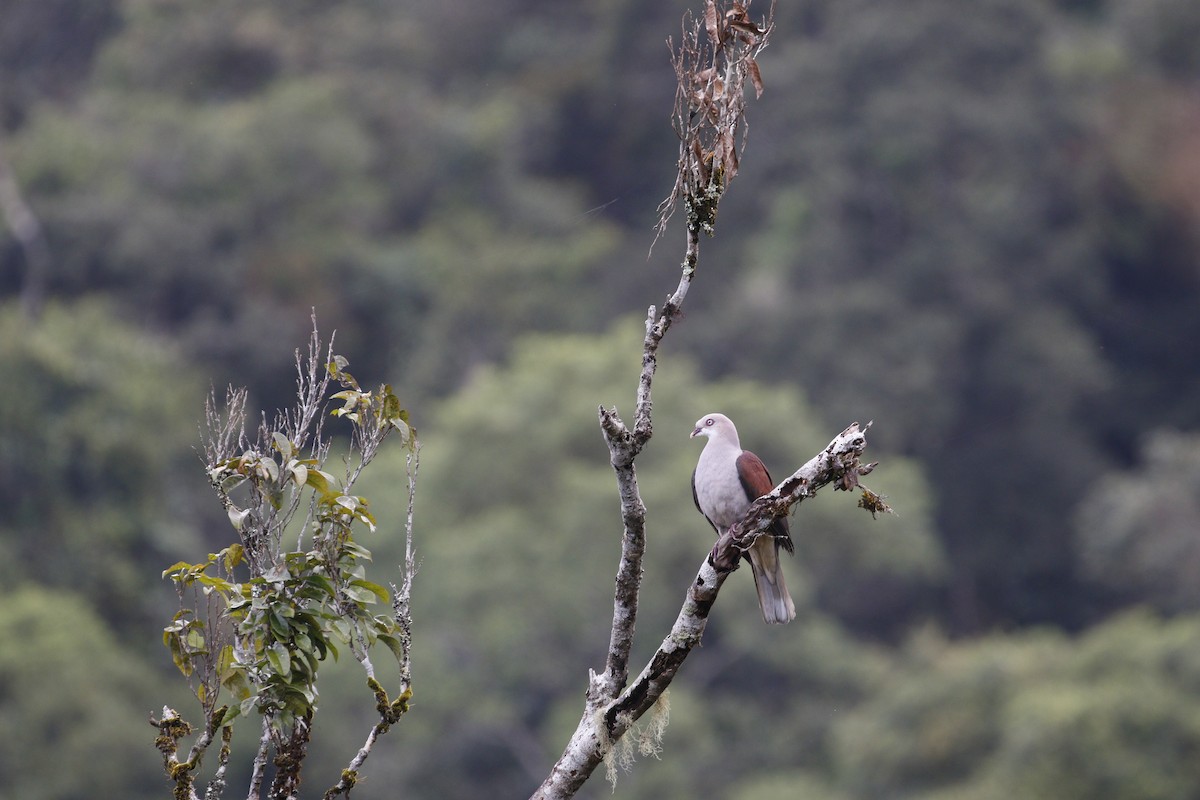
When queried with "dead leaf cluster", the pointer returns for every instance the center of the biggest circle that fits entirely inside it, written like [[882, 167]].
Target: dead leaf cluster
[[715, 57]]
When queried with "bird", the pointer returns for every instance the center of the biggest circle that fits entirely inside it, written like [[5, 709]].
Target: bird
[[726, 480]]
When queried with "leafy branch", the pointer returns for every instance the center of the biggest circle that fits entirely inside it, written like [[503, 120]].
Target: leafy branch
[[256, 620]]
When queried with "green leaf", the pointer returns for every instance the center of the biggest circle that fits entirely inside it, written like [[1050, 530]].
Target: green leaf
[[195, 639], [213, 582], [320, 647], [356, 550], [391, 405], [379, 591], [235, 681], [317, 587], [299, 474], [359, 595], [239, 597], [393, 644], [183, 661], [283, 445], [178, 566], [313, 662], [269, 466], [232, 481], [320, 480], [279, 625], [366, 518], [342, 628], [238, 517], [225, 661], [233, 555], [279, 659], [231, 714], [298, 699]]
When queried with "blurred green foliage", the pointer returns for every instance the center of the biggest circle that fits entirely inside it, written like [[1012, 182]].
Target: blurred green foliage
[[977, 227], [74, 703], [96, 474], [1136, 529], [1034, 715]]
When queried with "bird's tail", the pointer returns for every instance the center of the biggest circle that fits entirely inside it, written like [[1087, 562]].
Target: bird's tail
[[773, 598]]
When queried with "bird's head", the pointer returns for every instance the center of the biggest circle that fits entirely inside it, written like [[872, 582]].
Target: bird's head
[[715, 426]]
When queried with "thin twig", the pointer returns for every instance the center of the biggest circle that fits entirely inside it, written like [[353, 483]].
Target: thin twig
[[216, 787], [391, 710], [260, 761]]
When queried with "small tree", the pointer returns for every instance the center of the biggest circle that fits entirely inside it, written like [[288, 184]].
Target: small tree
[[257, 619]]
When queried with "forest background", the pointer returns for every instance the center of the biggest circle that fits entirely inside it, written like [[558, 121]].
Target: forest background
[[976, 224]]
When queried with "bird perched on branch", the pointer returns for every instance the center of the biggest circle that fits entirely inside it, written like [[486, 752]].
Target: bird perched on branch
[[727, 479]]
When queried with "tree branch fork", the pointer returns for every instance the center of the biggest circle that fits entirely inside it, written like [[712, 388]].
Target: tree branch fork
[[612, 708], [841, 458]]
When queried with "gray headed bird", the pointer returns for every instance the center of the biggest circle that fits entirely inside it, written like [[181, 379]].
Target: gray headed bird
[[727, 479]]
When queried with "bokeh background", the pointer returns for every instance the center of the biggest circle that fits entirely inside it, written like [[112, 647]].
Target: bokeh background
[[977, 224]]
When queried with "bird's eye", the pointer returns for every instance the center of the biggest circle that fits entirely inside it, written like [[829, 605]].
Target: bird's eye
[[709, 421]]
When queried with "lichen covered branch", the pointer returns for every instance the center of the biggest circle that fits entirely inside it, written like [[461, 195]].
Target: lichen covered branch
[[715, 58], [390, 710], [836, 464], [604, 723]]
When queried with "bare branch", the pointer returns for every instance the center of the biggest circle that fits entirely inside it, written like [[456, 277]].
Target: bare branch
[[304, 420], [260, 761], [216, 787], [711, 66], [732, 42], [623, 447], [224, 430], [402, 599], [172, 728], [390, 712]]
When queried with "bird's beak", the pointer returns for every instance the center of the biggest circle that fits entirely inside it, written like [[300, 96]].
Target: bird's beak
[[695, 433]]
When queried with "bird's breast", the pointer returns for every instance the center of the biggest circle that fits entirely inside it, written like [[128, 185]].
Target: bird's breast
[[719, 492]]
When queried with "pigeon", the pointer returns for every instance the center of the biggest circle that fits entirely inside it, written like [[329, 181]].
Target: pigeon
[[727, 479]]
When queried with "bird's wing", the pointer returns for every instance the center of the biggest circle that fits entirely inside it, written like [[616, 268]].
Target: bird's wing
[[757, 482], [696, 500]]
